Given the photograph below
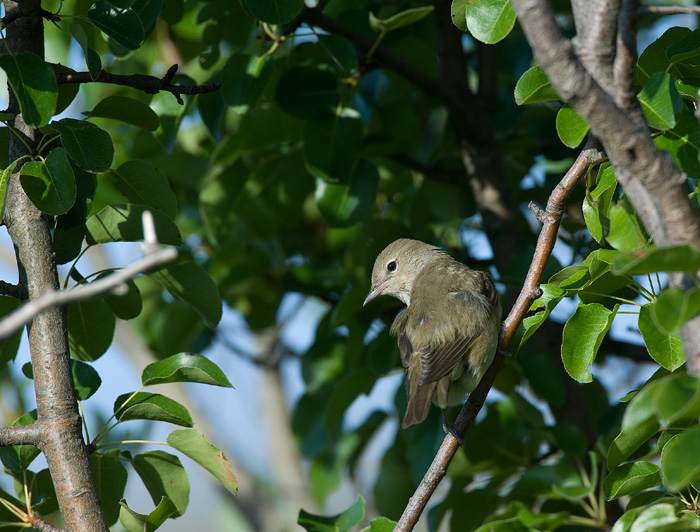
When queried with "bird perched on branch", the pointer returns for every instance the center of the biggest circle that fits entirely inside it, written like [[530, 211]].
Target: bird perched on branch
[[448, 332]]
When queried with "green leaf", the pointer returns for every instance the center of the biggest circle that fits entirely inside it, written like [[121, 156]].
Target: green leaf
[[631, 478], [34, 83], [90, 329], [591, 216], [153, 406], [43, 494], [110, 480], [184, 367], [629, 440], [4, 181], [458, 13], [583, 333], [212, 109], [121, 23], [663, 517], [655, 59], [673, 307], [380, 524], [571, 128], [683, 258], [88, 145], [342, 522], [125, 306], [189, 283], [676, 400], [666, 349], [345, 204], [534, 86], [92, 58], [20, 457], [144, 184], [401, 19], [683, 142], [302, 91], [686, 48], [85, 379], [192, 444], [342, 53], [687, 88], [490, 21], [639, 423], [660, 101], [127, 110], [679, 463], [164, 476], [551, 296], [136, 522], [123, 223], [275, 11], [9, 346], [625, 233], [245, 77], [50, 184], [641, 408], [332, 145]]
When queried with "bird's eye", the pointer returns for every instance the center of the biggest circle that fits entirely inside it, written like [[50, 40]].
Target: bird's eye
[[391, 266]]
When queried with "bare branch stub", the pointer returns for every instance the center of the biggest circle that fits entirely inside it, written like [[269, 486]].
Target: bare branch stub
[[12, 290], [143, 82], [545, 245]]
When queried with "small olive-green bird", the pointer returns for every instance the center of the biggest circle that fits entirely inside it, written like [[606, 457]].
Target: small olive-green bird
[[448, 332]]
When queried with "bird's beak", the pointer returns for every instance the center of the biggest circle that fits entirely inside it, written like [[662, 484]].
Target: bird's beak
[[376, 291]]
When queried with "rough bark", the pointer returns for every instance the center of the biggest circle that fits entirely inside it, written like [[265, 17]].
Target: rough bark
[[654, 185], [58, 423]]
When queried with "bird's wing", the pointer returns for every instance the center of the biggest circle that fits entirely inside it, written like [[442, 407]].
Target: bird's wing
[[442, 358], [398, 329], [451, 342]]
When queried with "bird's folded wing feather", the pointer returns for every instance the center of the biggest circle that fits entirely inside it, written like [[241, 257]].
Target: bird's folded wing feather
[[448, 342]]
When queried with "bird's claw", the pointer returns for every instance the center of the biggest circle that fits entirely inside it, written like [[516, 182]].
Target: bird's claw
[[449, 428]]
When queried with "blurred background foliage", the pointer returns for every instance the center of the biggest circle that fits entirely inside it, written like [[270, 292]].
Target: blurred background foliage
[[320, 149]]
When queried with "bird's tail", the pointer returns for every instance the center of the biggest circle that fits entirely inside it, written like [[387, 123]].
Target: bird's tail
[[419, 399]]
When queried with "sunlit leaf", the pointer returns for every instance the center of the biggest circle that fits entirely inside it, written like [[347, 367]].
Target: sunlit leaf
[[534, 86], [192, 444], [490, 21], [184, 367], [34, 83]]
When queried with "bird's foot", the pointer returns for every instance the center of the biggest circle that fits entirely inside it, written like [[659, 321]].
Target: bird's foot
[[449, 428], [503, 352]]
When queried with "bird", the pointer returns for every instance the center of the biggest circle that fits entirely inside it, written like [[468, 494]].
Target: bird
[[448, 332]]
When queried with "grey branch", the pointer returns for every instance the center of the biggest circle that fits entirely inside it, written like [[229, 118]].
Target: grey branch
[[32, 308], [19, 435]]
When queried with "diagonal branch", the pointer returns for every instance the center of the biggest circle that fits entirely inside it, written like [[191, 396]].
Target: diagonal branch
[[154, 256], [529, 292], [655, 186], [142, 82]]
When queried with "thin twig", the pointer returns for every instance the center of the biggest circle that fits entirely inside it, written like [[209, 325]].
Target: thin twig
[[12, 290], [154, 256], [32, 308], [42, 526], [142, 82], [545, 244], [667, 10]]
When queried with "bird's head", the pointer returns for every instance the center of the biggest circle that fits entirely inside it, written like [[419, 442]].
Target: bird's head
[[397, 267]]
